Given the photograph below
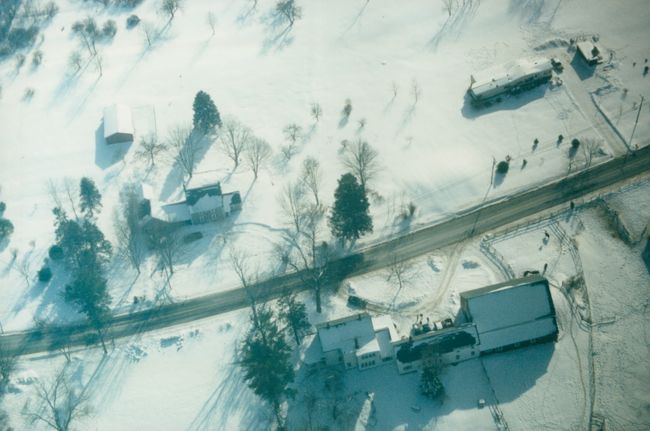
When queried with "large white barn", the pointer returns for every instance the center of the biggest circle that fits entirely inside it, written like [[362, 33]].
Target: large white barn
[[511, 314]]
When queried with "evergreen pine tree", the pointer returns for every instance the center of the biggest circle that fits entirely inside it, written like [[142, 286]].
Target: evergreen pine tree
[[265, 360], [88, 291], [206, 115], [350, 217], [6, 228], [91, 199], [293, 314]]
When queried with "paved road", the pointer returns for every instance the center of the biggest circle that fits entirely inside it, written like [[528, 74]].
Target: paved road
[[471, 222]]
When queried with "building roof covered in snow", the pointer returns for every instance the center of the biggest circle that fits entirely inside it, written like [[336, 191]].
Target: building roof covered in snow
[[589, 52], [177, 212], [348, 333], [118, 125], [511, 312], [440, 341], [496, 79], [206, 203], [201, 180]]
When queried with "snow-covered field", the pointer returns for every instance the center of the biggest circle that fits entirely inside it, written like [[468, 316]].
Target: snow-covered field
[[267, 79], [187, 378], [436, 152]]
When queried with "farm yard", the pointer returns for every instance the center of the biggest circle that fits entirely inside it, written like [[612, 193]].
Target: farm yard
[[305, 94]]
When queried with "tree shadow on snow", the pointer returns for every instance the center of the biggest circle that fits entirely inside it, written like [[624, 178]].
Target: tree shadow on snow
[[230, 399], [454, 24], [175, 176], [106, 154], [246, 14], [528, 10], [278, 32], [51, 307]]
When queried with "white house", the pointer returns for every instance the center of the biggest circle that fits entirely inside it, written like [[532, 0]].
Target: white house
[[118, 125], [511, 314], [359, 341], [204, 202], [510, 77]]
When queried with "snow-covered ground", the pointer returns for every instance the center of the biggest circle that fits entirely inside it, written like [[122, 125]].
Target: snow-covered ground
[[436, 152], [268, 78]]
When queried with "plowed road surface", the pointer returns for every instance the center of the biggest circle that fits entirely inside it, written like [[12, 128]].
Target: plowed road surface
[[463, 225]]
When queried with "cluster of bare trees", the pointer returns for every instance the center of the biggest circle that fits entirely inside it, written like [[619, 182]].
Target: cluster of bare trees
[[304, 250], [128, 229], [237, 142]]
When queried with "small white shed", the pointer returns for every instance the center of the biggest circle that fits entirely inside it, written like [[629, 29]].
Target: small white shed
[[118, 125]]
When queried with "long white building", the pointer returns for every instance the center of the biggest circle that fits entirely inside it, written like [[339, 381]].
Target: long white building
[[510, 77]]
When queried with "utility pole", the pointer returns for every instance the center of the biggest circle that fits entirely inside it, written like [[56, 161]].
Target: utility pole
[[636, 121]]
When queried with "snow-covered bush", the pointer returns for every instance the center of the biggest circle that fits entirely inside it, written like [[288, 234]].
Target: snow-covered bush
[[44, 274], [132, 21], [502, 167], [109, 29]]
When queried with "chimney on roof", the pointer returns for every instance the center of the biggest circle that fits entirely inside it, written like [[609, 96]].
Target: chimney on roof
[[356, 343]]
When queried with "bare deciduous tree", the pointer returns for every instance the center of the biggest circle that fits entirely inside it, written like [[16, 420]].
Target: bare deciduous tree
[[289, 10], [292, 133], [164, 239], [292, 205], [400, 273], [311, 177], [128, 231], [184, 147], [306, 255], [590, 147], [234, 138], [288, 151], [60, 404], [316, 111], [361, 159], [75, 61], [448, 6], [257, 154], [150, 149], [394, 88], [170, 7], [248, 277]]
